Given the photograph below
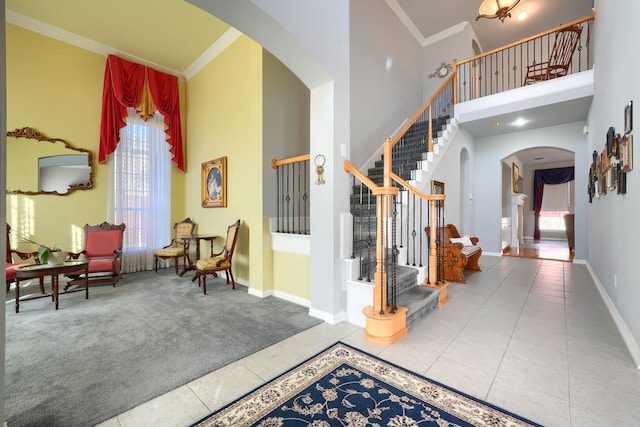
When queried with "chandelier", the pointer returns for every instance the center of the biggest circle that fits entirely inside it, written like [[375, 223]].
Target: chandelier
[[500, 9]]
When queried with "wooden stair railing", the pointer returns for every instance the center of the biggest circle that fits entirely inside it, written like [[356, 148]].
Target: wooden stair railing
[[292, 191], [505, 68], [385, 321]]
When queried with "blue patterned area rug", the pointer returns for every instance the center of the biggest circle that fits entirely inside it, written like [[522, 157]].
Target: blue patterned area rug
[[347, 387]]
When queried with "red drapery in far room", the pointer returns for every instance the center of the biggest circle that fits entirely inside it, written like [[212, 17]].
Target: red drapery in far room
[[129, 85]]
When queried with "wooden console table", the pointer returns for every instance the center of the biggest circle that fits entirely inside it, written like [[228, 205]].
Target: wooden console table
[[38, 271]]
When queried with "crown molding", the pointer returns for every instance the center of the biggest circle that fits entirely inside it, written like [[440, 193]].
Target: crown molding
[[79, 41], [424, 41], [214, 50]]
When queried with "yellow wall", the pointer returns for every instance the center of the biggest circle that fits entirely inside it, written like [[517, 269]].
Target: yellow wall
[[56, 88], [292, 274], [224, 118]]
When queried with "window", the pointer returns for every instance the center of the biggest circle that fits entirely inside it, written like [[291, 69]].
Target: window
[[556, 202], [139, 190]]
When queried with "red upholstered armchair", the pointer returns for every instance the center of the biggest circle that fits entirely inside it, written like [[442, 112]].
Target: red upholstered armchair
[[11, 265], [103, 250]]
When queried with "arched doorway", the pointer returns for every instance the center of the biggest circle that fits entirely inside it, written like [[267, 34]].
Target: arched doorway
[[519, 201]]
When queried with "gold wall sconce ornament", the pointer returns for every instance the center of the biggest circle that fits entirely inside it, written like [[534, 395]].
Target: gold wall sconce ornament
[[319, 161], [441, 71]]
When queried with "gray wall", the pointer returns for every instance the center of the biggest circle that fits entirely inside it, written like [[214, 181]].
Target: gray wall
[[613, 219], [489, 178], [285, 122], [450, 171]]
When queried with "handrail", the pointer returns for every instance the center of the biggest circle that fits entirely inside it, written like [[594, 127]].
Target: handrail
[[277, 163], [528, 39], [375, 189], [415, 191], [508, 67], [417, 115]]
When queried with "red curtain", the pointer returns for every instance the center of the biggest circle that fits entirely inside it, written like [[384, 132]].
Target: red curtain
[[124, 87]]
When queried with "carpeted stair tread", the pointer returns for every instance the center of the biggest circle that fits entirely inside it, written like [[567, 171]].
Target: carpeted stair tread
[[420, 301]]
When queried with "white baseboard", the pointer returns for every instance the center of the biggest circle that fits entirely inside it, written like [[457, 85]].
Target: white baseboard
[[627, 337]]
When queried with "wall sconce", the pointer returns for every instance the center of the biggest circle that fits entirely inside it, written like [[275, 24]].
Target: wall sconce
[[500, 9], [319, 162]]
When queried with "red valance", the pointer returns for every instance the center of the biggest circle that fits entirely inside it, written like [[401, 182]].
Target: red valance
[[125, 86]]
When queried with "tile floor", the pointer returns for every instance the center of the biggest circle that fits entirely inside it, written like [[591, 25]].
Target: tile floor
[[531, 336]]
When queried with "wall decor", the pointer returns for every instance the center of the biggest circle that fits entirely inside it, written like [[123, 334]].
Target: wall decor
[[515, 176], [626, 152], [214, 183], [47, 165], [437, 187], [628, 117], [441, 71], [622, 180], [609, 144]]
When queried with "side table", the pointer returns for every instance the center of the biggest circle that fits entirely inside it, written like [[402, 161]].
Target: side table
[[41, 270]]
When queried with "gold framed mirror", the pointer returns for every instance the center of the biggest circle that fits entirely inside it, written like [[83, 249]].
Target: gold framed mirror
[[37, 164]]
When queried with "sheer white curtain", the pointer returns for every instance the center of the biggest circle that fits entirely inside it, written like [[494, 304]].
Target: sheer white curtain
[[139, 190]]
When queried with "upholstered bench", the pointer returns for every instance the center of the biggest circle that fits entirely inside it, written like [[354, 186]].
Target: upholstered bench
[[459, 253]]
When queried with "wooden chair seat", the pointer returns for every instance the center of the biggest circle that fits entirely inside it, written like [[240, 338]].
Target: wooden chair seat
[[179, 246], [221, 261]]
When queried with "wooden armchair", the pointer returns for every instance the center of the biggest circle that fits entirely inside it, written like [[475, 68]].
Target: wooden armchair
[[179, 246], [458, 253], [103, 251], [220, 261], [560, 58], [11, 265]]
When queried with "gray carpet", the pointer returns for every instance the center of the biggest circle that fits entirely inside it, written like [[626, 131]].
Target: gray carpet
[[96, 358]]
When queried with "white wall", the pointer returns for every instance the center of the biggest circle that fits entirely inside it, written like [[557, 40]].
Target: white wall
[[613, 219], [488, 177], [386, 76], [449, 171], [458, 46]]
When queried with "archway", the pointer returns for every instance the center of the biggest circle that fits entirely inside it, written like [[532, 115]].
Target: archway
[[519, 206]]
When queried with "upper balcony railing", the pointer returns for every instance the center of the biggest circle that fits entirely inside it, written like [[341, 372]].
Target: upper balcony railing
[[507, 67]]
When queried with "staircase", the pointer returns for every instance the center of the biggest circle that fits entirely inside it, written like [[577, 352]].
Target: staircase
[[410, 159]]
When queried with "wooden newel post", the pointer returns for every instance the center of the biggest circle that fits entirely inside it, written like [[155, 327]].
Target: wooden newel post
[[433, 254]]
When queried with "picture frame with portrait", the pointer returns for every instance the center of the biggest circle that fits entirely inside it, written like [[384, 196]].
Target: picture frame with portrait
[[214, 183], [515, 177]]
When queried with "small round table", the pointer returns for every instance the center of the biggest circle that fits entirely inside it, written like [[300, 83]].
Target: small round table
[[197, 237], [41, 270]]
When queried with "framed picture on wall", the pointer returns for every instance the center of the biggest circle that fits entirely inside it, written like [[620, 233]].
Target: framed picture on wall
[[628, 117], [515, 176], [437, 187], [214, 183]]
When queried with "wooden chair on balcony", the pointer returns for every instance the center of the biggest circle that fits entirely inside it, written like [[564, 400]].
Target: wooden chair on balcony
[[179, 246], [560, 58], [103, 251], [11, 265], [220, 261]]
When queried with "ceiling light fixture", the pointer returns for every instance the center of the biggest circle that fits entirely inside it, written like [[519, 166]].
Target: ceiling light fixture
[[500, 9]]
